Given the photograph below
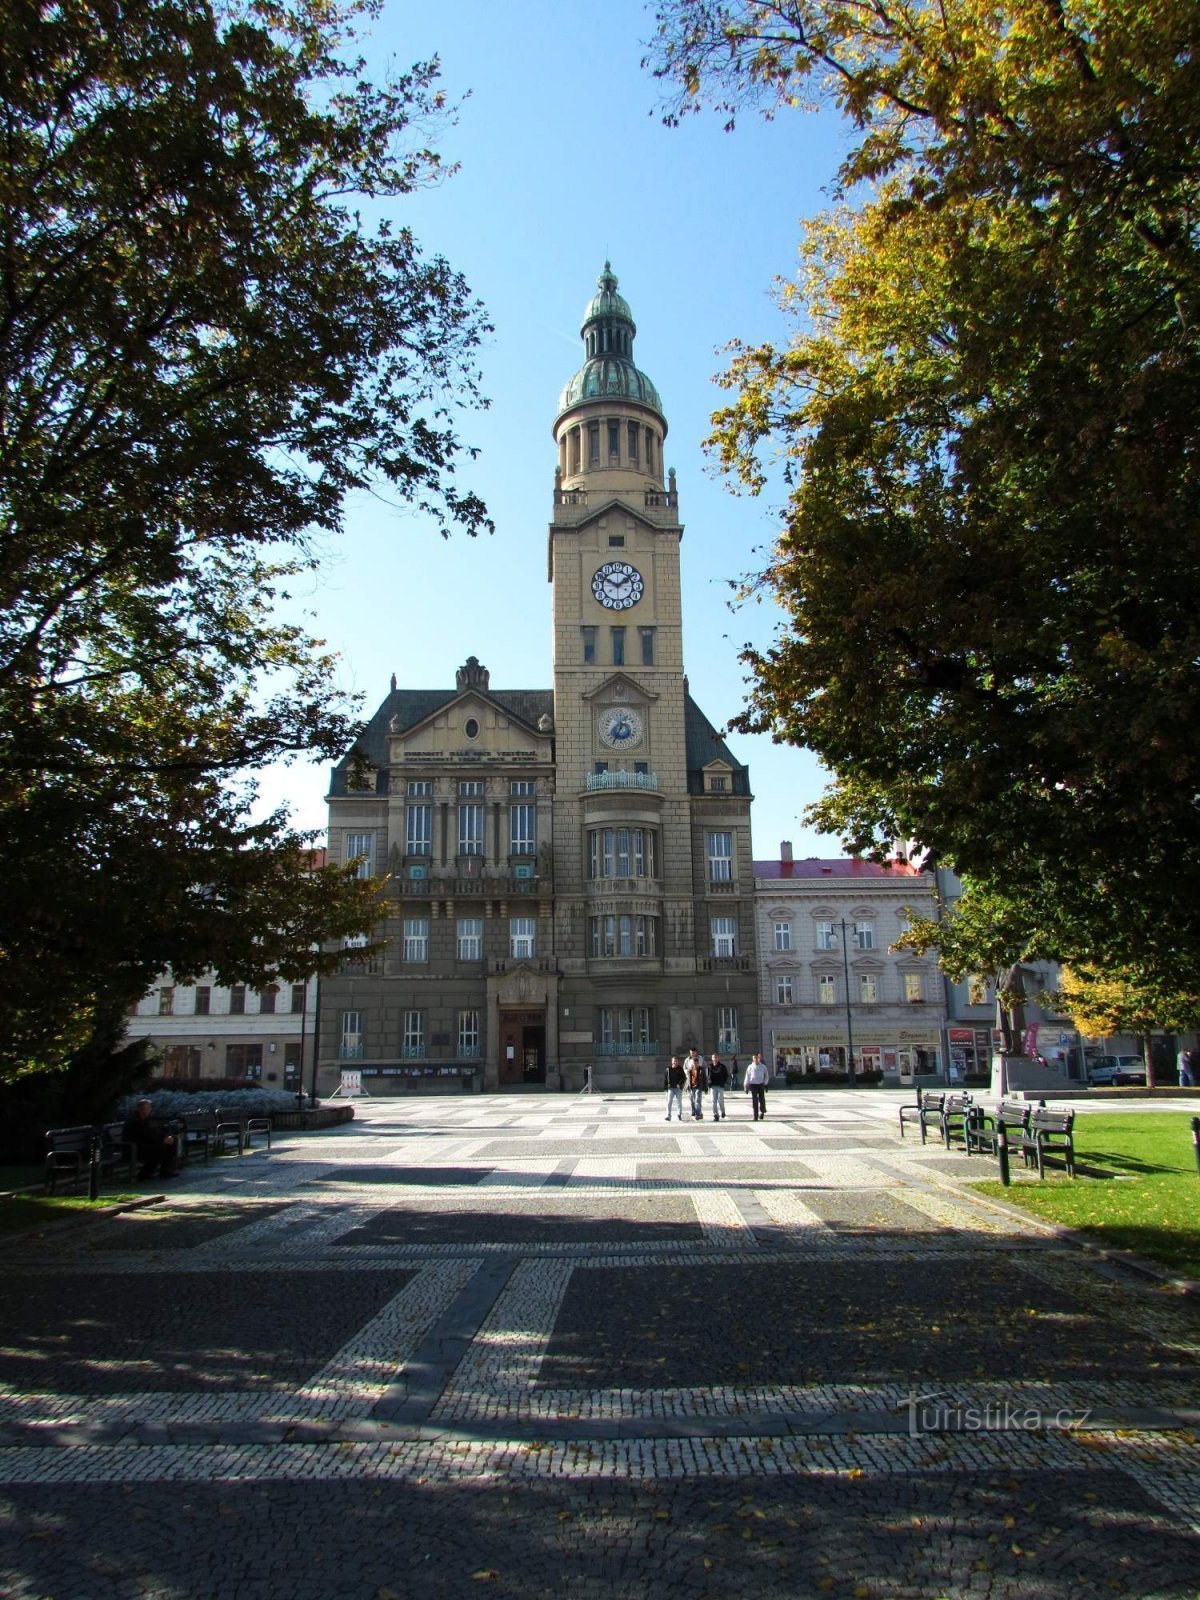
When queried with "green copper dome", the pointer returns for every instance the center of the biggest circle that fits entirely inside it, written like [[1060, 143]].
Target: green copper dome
[[608, 333]]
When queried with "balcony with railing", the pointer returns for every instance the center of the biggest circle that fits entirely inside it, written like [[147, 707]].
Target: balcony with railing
[[441, 887], [639, 1047], [724, 964], [598, 782], [350, 1050]]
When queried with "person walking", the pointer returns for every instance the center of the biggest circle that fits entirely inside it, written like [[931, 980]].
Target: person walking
[[1186, 1062], [718, 1080], [673, 1081], [757, 1078], [697, 1077]]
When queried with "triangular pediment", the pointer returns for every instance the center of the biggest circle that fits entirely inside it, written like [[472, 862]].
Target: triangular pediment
[[619, 689], [624, 508], [461, 706]]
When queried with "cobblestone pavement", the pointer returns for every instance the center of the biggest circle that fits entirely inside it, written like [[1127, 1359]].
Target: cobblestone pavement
[[545, 1346]]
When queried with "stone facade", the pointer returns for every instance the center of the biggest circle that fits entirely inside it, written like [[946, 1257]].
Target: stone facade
[[207, 1029], [821, 923], [568, 870]]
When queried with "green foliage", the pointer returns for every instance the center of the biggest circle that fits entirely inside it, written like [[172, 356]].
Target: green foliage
[[990, 555], [203, 347]]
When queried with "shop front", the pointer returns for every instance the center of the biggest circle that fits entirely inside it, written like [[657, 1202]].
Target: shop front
[[900, 1054]]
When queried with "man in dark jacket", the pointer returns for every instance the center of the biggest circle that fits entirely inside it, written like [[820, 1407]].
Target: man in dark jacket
[[718, 1082], [154, 1145], [673, 1081]]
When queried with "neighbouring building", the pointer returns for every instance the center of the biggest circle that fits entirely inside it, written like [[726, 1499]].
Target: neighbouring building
[[568, 869], [831, 982], [211, 1030]]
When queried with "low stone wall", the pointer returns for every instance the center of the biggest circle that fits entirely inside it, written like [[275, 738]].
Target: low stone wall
[[318, 1117]]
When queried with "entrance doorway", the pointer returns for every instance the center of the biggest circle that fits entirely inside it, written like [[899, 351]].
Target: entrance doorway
[[522, 1049]]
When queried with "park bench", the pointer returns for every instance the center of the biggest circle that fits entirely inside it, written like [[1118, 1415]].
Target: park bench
[[1048, 1133], [983, 1128], [956, 1110], [926, 1112], [207, 1133], [69, 1153]]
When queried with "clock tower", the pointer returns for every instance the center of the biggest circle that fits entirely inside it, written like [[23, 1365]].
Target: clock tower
[[640, 773]]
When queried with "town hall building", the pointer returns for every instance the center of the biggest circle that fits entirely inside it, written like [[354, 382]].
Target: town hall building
[[567, 871]]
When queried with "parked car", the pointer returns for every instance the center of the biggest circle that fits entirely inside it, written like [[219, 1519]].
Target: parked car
[[1116, 1070]]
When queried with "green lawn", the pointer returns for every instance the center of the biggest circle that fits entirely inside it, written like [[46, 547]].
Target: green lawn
[[1138, 1188]]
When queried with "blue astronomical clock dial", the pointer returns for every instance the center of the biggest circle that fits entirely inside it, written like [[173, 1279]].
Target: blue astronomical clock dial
[[617, 585], [621, 728]]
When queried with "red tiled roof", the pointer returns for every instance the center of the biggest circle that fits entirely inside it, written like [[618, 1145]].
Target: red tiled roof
[[836, 867]]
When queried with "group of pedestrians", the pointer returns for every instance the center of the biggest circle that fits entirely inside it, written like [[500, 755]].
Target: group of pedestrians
[[713, 1077]]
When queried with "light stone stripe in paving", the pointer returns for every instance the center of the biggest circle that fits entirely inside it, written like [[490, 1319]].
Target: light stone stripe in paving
[[723, 1224], [507, 1351], [785, 1206], [599, 1169], [961, 1215], [841, 1171], [366, 1364]]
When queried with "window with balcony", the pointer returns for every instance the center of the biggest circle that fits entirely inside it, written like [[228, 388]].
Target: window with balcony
[[720, 857], [622, 853], [416, 939], [826, 990], [468, 1035], [621, 935], [413, 1039], [724, 932], [783, 991], [418, 828], [358, 849], [826, 936], [625, 1030], [470, 938], [783, 936], [522, 937]]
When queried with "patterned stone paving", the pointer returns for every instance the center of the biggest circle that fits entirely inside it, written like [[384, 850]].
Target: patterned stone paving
[[546, 1346]]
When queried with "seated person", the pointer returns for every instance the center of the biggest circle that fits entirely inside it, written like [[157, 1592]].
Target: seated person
[[155, 1147]]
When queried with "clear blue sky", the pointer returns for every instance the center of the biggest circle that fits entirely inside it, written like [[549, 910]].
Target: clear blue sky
[[564, 162]]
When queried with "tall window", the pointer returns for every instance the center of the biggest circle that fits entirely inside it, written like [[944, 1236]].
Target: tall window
[[628, 1026], [864, 936], [647, 638], [724, 936], [203, 999], [237, 1000], [522, 828], [166, 1002], [522, 936], [912, 986], [618, 647], [418, 828], [359, 844], [594, 443], [470, 938], [268, 999], [470, 828], [720, 857], [420, 788], [783, 936], [614, 440], [297, 998], [352, 1043], [826, 937], [783, 991], [589, 646], [622, 853], [727, 1028], [868, 988], [826, 990], [633, 442], [414, 1034], [468, 1034], [416, 938], [624, 936]]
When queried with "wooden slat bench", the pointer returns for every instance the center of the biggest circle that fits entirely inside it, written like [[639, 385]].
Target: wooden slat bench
[[983, 1129], [956, 1110], [927, 1111], [1049, 1133]]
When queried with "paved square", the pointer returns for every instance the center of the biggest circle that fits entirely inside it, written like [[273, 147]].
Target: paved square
[[549, 1347]]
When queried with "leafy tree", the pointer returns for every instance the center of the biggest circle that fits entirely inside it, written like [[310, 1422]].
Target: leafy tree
[[989, 561], [204, 346]]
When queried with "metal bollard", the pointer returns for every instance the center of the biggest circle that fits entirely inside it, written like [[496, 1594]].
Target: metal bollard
[[1196, 1140], [94, 1167], [1002, 1155]]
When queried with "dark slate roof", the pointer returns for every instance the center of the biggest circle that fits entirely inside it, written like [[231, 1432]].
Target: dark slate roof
[[705, 744], [411, 706]]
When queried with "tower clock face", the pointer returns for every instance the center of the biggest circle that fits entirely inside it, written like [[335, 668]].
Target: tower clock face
[[618, 586], [621, 728]]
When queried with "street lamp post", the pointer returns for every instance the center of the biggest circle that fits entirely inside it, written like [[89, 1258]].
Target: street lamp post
[[849, 1023]]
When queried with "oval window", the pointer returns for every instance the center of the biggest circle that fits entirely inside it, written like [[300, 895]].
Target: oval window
[[472, 728]]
